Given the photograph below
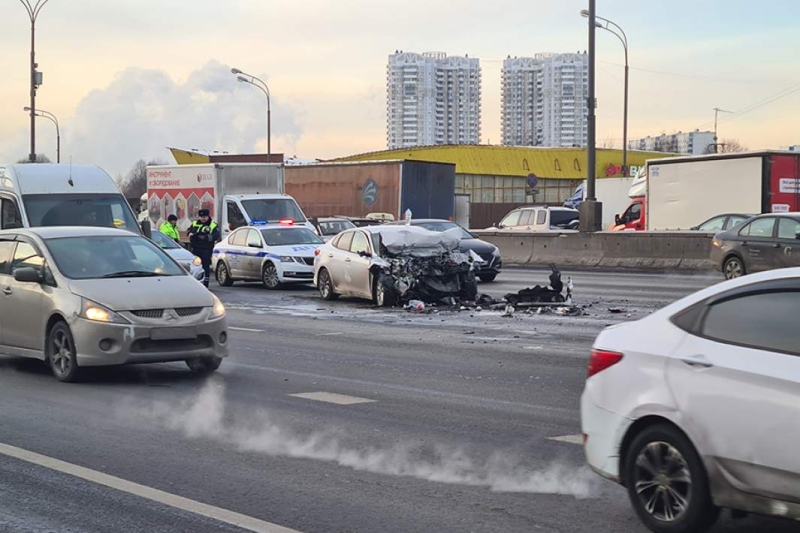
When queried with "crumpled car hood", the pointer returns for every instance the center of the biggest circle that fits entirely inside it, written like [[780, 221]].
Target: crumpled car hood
[[415, 241]]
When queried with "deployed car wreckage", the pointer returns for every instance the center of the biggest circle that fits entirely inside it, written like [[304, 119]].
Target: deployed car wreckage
[[395, 264], [417, 264]]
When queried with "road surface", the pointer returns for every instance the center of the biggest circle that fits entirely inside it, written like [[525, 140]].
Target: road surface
[[334, 417]]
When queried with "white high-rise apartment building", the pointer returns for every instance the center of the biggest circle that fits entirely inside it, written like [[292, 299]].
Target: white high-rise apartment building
[[432, 99], [544, 100]]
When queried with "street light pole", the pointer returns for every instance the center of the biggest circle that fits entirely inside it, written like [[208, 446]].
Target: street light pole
[[624, 40], [36, 77], [242, 77], [717, 111], [54, 120]]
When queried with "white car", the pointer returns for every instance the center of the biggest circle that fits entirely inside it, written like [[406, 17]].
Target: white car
[[697, 406], [540, 218], [271, 254], [190, 262]]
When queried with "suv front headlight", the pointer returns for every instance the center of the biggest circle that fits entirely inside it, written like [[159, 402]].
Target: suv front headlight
[[197, 261], [287, 259], [218, 310], [98, 313]]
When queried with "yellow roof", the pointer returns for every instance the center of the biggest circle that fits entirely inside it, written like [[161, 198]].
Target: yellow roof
[[189, 157], [558, 163]]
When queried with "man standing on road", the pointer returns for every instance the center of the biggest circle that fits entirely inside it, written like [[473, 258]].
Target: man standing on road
[[203, 235], [170, 228]]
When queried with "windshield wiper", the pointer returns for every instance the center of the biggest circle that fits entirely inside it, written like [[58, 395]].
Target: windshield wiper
[[133, 274]]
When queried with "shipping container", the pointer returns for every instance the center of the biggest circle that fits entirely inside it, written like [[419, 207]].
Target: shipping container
[[357, 189]]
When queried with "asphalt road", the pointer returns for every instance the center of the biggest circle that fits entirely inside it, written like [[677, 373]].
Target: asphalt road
[[416, 422]]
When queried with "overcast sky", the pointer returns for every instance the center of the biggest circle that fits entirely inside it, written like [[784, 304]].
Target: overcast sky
[[128, 78]]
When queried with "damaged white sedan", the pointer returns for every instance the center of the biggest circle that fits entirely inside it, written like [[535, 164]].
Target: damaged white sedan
[[394, 264]]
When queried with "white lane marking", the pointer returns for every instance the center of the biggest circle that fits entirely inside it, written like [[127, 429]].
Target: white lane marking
[[569, 439], [330, 333], [534, 347], [330, 397], [251, 330], [223, 515]]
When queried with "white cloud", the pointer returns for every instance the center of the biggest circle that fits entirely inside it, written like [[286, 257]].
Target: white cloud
[[142, 111]]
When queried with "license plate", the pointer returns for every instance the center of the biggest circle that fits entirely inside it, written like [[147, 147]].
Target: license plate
[[169, 334]]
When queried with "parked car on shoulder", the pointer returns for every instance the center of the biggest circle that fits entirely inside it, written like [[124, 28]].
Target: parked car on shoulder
[[76, 297], [722, 222], [693, 407], [273, 255], [488, 252], [764, 242], [540, 218]]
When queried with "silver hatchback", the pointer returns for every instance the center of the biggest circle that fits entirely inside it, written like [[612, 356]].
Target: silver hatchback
[[83, 296]]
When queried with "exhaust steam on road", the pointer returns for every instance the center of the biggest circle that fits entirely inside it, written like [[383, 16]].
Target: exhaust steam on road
[[203, 417]]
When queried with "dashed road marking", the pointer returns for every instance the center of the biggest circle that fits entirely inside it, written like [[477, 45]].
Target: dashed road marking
[[330, 397], [179, 502], [569, 439], [251, 330], [330, 333]]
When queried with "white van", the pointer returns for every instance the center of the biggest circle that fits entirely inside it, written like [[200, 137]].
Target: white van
[[35, 195]]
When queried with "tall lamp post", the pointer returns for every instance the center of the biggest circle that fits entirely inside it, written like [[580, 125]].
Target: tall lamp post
[[243, 77], [36, 76], [51, 117], [591, 211], [607, 25]]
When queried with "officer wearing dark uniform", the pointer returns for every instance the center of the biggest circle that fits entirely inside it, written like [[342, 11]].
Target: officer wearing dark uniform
[[203, 235]]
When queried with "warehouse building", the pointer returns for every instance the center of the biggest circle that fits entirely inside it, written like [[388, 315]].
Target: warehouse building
[[498, 179]]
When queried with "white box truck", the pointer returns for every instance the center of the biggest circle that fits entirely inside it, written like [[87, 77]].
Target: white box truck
[[236, 194], [612, 192], [685, 191]]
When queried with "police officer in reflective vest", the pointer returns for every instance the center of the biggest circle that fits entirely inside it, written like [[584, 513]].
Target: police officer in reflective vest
[[203, 235], [170, 228]]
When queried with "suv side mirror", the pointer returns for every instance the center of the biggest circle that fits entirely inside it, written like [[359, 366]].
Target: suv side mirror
[[362, 253], [147, 229], [797, 235], [28, 275], [253, 245], [617, 220]]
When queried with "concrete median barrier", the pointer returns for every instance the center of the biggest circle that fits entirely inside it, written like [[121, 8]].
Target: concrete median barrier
[[636, 250]]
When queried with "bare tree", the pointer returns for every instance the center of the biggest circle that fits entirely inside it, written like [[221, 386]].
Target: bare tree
[[134, 184], [40, 158], [726, 146], [608, 142]]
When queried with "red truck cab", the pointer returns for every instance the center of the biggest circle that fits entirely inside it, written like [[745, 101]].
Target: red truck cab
[[633, 218]]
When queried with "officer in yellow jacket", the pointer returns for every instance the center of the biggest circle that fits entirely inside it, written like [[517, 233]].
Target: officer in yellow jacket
[[203, 235], [170, 228]]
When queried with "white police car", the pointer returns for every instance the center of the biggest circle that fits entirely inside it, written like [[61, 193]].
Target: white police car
[[271, 254]]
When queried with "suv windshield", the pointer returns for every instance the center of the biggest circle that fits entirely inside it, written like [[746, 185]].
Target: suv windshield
[[335, 227], [103, 210], [266, 210], [284, 236], [562, 219], [110, 257], [444, 226]]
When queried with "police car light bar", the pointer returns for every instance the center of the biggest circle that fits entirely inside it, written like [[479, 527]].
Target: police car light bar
[[286, 222]]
